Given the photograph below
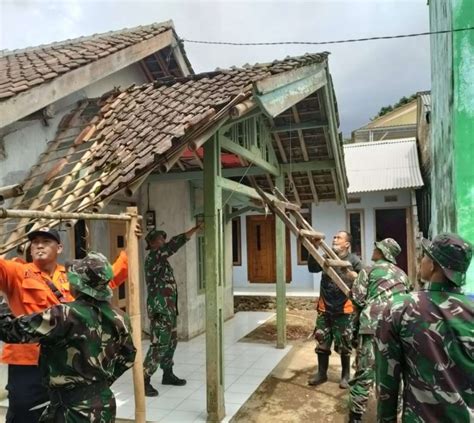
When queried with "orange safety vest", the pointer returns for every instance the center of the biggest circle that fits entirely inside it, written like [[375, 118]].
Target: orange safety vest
[[29, 290]]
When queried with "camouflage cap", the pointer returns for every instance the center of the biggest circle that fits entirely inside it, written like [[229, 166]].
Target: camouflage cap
[[150, 236], [389, 248], [91, 275], [452, 253]]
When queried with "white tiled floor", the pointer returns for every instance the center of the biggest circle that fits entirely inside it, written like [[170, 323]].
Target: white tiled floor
[[246, 366]]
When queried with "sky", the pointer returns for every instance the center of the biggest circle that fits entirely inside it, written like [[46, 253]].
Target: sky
[[366, 75]]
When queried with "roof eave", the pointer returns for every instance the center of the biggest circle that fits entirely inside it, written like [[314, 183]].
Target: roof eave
[[38, 97]]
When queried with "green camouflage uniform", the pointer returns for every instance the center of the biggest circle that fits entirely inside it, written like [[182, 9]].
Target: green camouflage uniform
[[426, 339], [333, 323], [162, 304], [372, 290], [85, 346]]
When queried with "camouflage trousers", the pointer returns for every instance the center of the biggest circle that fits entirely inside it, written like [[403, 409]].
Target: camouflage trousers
[[96, 407], [163, 338], [363, 379], [337, 328]]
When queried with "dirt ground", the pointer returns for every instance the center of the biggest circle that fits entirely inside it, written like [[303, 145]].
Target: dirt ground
[[284, 396]]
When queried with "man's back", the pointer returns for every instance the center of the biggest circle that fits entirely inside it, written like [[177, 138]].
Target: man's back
[[82, 342], [428, 336]]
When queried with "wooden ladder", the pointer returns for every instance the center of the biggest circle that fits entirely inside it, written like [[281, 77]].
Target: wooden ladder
[[280, 207]]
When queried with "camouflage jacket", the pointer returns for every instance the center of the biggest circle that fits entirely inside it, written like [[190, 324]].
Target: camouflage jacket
[[82, 342], [426, 339], [161, 284], [373, 289], [331, 296]]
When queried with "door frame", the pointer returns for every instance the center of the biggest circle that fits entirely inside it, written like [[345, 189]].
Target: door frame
[[409, 226]]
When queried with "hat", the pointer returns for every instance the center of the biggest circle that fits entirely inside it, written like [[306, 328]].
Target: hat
[[389, 248], [452, 253], [47, 232], [154, 233], [91, 275]]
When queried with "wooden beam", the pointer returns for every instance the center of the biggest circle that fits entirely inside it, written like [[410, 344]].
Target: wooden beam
[[229, 185], [231, 146], [192, 175], [313, 124], [214, 280], [309, 166], [312, 234], [280, 244], [134, 311], [31, 100], [280, 148]]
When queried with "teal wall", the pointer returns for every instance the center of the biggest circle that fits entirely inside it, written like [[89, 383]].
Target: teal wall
[[452, 75]]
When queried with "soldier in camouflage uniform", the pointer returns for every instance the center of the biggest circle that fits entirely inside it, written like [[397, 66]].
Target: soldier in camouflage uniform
[[85, 345], [162, 307], [334, 321], [373, 289], [426, 339]]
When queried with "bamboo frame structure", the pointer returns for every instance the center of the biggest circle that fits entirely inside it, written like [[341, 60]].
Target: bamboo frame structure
[[133, 287]]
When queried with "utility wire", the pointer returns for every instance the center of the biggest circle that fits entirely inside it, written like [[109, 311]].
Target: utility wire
[[354, 40]]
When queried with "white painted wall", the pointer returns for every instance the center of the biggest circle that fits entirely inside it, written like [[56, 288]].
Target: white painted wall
[[172, 204], [328, 217]]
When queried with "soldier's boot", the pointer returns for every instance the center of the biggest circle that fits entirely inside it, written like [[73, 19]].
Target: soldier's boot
[[321, 375], [169, 378], [355, 417], [149, 390], [346, 371]]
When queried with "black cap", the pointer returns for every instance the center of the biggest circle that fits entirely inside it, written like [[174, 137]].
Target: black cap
[[47, 232]]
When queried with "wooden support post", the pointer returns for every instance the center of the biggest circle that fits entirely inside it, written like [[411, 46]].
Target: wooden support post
[[134, 311], [280, 234], [213, 278]]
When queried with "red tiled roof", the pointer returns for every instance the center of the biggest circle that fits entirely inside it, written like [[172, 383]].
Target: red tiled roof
[[143, 123], [21, 70]]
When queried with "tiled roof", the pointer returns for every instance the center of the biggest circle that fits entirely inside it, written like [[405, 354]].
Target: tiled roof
[[382, 165], [21, 70], [137, 130], [140, 125]]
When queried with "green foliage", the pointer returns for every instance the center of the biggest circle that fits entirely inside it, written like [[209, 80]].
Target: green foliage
[[386, 109]]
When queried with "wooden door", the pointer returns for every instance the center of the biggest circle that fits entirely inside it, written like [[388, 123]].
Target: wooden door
[[117, 231], [261, 251]]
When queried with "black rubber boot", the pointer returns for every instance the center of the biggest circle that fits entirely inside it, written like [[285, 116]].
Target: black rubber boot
[[346, 371], [355, 418], [149, 390], [169, 378], [321, 375]]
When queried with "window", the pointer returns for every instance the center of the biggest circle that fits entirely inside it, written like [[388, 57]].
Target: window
[[302, 251], [236, 242], [355, 223]]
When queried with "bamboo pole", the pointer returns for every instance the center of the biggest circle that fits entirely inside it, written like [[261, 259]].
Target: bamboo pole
[[133, 309], [28, 214], [10, 191]]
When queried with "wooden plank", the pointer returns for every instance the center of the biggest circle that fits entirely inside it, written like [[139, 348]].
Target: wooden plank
[[338, 263], [134, 311], [214, 282], [299, 126], [280, 232], [312, 234], [287, 205]]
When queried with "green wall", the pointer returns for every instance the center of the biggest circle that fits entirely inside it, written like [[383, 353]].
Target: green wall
[[452, 75]]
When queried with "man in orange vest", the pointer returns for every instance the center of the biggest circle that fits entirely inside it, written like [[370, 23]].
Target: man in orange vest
[[30, 288]]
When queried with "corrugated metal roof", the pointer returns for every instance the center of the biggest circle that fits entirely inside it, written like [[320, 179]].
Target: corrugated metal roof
[[425, 99], [382, 165]]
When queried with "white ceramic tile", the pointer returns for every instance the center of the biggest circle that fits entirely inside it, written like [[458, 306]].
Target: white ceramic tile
[[156, 414], [192, 405], [178, 416], [166, 403], [179, 392]]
